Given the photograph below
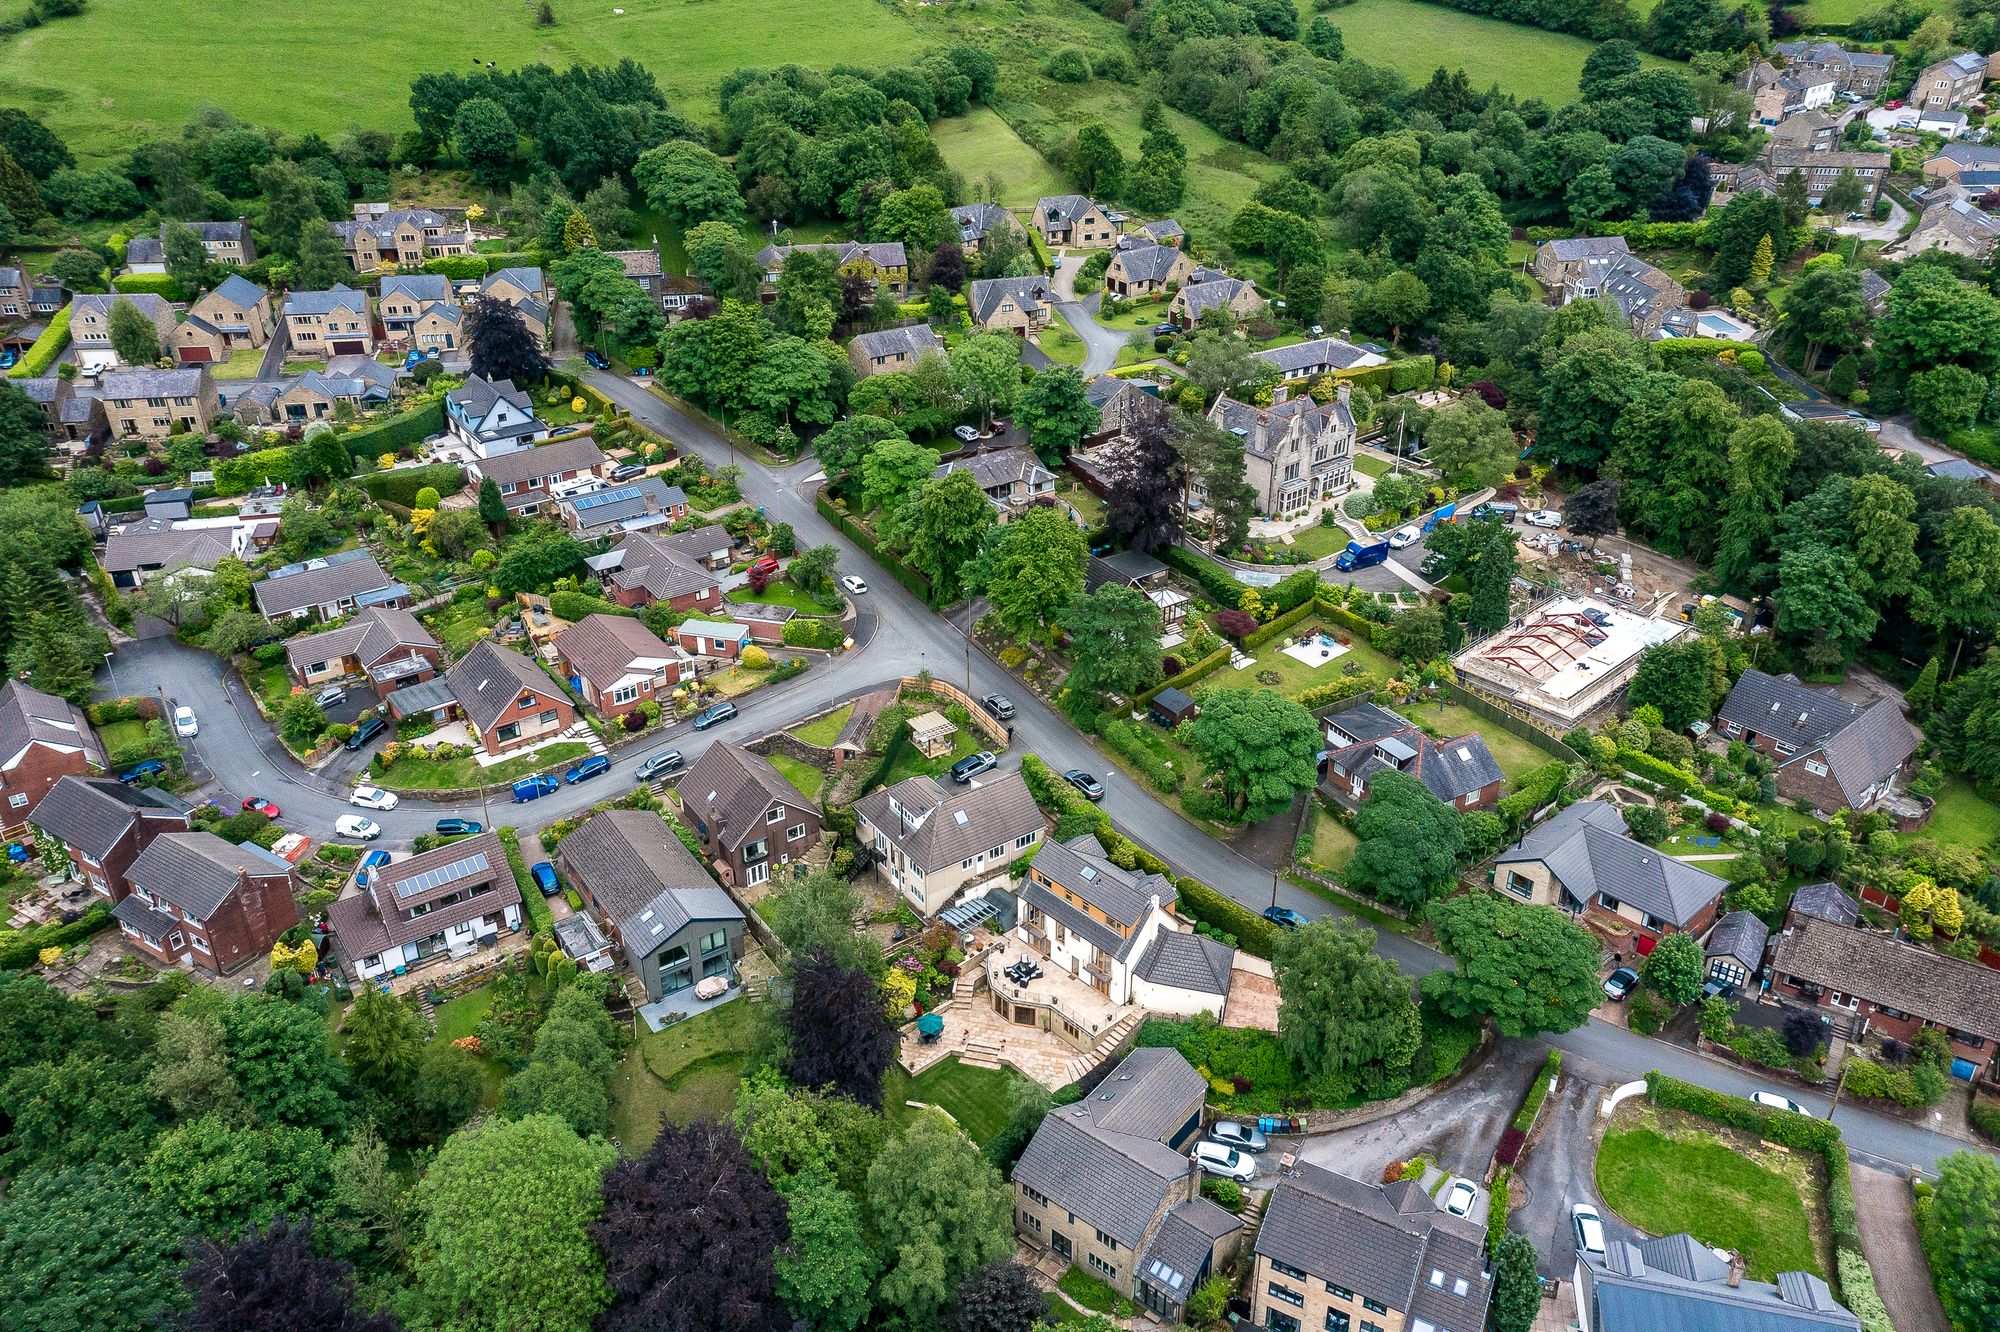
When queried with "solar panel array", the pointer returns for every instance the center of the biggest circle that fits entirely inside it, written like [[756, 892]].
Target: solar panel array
[[603, 497], [442, 875]]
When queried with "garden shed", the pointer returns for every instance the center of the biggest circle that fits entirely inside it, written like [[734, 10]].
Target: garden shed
[[1171, 707]]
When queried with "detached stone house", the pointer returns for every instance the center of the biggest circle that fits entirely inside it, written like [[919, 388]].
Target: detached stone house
[[661, 567], [335, 322], [1792, 93], [1106, 1186], [527, 476], [153, 404], [1582, 860], [1294, 451], [507, 699], [1146, 270], [616, 663], [1339, 1254], [224, 242], [884, 263], [1836, 754], [445, 903], [1950, 83], [327, 588], [1014, 479], [1821, 169], [1323, 356], [1588, 268], [103, 825], [976, 222], [239, 310], [1238, 297], [1124, 407], [402, 236], [751, 821], [197, 901], [389, 647], [1070, 221], [491, 416], [934, 843], [1955, 160], [1021, 305], [90, 322], [1367, 739], [526, 290], [891, 349], [42, 740], [1859, 72], [662, 909], [406, 295], [1951, 226]]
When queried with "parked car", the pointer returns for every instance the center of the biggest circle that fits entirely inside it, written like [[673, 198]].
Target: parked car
[[1243, 1137], [1284, 917], [667, 760], [1404, 537], [1620, 983], [999, 705], [1544, 518], [371, 862], [627, 472], [458, 827], [1084, 782], [139, 772], [714, 716], [596, 359], [268, 808], [366, 730], [184, 722], [1717, 988], [1459, 1197], [1773, 1101], [1436, 565], [373, 797], [535, 787], [853, 584], [331, 696], [545, 878], [1589, 1228], [965, 434], [1216, 1159], [594, 766], [767, 564], [972, 765], [353, 825], [1165, 330]]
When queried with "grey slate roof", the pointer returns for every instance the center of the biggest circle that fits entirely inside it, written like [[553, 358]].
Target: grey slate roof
[[884, 254], [648, 885], [1863, 745], [1164, 229], [1569, 249], [1187, 962], [373, 635], [1081, 866], [1960, 469], [729, 788], [1323, 351], [29, 716], [939, 827], [1665, 1286], [366, 923], [564, 455], [153, 383], [977, 221], [196, 871], [155, 544], [489, 678], [317, 582], [1586, 848], [337, 297], [524, 276], [419, 288], [994, 468], [1203, 296], [1741, 936], [134, 912], [1148, 263], [664, 571], [1826, 901], [239, 290], [1030, 293], [145, 250], [1460, 766], [1889, 971], [477, 395], [601, 648], [1969, 154], [914, 340], [1183, 1243]]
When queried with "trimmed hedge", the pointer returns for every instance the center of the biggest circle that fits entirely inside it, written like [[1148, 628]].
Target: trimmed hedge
[[412, 427], [35, 362], [573, 606], [1201, 670], [1496, 1214], [1348, 620], [1293, 590], [807, 632], [1141, 749], [1415, 373], [534, 906], [1278, 626], [1800, 1132], [913, 581], [1537, 787], [21, 948], [1538, 1091], [401, 485], [1220, 585], [458, 267], [1199, 902], [1659, 770], [163, 285]]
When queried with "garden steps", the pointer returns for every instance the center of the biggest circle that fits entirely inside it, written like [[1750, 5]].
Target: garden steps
[[584, 732], [981, 1054], [1113, 1037]]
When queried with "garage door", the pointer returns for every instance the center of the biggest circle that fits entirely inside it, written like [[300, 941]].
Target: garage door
[[195, 355], [349, 348]]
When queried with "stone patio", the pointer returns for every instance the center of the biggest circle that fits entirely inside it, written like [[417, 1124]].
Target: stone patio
[[684, 1004]]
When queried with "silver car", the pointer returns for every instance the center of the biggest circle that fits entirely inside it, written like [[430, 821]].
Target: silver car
[[1244, 1137]]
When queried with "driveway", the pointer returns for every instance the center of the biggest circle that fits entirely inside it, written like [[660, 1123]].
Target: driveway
[[1101, 344], [1560, 1169], [1889, 1238], [1886, 230]]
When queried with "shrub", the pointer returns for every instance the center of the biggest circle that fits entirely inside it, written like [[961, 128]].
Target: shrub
[[1496, 1215], [1068, 66], [399, 432], [573, 606], [756, 659], [1223, 1193], [1234, 623], [1649, 1011], [807, 633], [36, 361], [163, 285], [19, 948], [1717, 821], [402, 486], [1511, 1142]]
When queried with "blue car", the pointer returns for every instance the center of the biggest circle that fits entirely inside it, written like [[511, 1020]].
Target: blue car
[[590, 767], [1284, 917], [534, 788], [371, 862], [595, 359], [458, 827], [140, 772], [545, 878]]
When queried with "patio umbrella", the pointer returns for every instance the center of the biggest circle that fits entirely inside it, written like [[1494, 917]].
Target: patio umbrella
[[930, 1024]]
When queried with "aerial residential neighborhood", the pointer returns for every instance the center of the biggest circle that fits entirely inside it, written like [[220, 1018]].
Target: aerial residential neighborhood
[[996, 667]]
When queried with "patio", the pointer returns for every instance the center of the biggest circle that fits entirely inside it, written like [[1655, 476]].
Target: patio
[[1315, 652], [684, 1004]]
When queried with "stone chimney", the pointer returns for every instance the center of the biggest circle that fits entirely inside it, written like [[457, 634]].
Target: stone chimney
[[1344, 394], [1282, 393], [1735, 1270]]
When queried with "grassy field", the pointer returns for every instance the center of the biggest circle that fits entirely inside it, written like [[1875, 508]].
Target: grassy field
[[345, 60], [1296, 676], [1416, 38], [804, 776], [1665, 1174], [979, 144], [1838, 11], [1964, 817], [1514, 755], [978, 1098], [1062, 346], [686, 1071], [827, 729]]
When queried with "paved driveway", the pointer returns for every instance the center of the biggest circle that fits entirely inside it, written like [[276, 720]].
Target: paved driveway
[[1889, 1238], [1560, 1169]]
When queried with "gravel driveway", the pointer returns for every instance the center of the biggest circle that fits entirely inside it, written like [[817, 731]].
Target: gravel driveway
[[1889, 1238]]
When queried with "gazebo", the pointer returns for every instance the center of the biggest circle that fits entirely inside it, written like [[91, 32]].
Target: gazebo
[[932, 734]]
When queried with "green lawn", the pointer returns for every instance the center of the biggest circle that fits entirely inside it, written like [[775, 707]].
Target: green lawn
[[462, 628], [242, 363], [347, 60], [1692, 1180], [1964, 817], [802, 775], [1514, 755], [978, 1098], [1417, 38], [1368, 465], [686, 1071], [780, 593], [910, 763], [979, 145], [418, 774], [1319, 542], [1838, 11], [827, 729], [1333, 842], [1063, 347], [1295, 675], [462, 1016], [117, 735]]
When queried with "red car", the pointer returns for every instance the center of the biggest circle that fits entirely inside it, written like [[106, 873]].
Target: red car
[[267, 808], [769, 564]]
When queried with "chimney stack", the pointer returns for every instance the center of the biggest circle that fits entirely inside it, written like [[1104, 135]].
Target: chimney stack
[[1344, 394], [1281, 394], [1735, 1270]]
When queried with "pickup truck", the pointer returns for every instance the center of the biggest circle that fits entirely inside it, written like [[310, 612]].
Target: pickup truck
[[1358, 556]]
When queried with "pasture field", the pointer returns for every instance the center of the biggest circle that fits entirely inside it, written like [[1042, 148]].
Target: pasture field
[[980, 144], [1416, 38]]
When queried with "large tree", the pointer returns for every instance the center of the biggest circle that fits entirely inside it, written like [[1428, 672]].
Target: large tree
[[1034, 571], [133, 335], [23, 437], [1114, 640], [1821, 604], [502, 345], [1675, 969], [688, 184], [1531, 969], [986, 369], [1471, 443], [1147, 482], [841, 1038], [816, 912], [892, 472], [1517, 1286], [941, 529], [1055, 409], [485, 137], [940, 1212], [845, 445], [282, 1054], [825, 1277], [1410, 841], [1961, 1233], [272, 1281], [1345, 1008], [86, 1250], [225, 1177], [504, 1217], [1259, 744], [690, 1235], [1678, 678]]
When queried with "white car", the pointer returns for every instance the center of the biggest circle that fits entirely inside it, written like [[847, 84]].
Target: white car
[[184, 722], [1404, 536], [1589, 1228], [1458, 1198], [373, 797], [854, 585], [353, 825], [1773, 1101], [1216, 1159], [1543, 518]]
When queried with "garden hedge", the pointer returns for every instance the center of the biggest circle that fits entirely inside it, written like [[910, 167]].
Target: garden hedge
[[573, 606], [1254, 934], [1348, 620], [398, 432], [1200, 670], [1221, 585], [1304, 610], [458, 267], [35, 362], [401, 485], [21, 948], [1415, 373], [807, 632], [163, 285]]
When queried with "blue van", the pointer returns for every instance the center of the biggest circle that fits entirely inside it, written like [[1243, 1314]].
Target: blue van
[[533, 788]]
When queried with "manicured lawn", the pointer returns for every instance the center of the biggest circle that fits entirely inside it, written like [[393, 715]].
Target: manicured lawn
[[329, 79], [1368, 465], [1063, 347], [1136, 318], [418, 774], [1093, 1294], [1418, 38], [240, 364], [119, 734], [300, 367], [979, 145], [827, 729], [1319, 542], [978, 1098], [1965, 817], [1514, 755], [1666, 1179], [909, 762], [802, 775], [1295, 675], [780, 593], [686, 1071], [1333, 843], [462, 1016], [1089, 508]]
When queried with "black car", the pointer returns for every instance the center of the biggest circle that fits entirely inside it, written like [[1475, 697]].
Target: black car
[[596, 359], [999, 705], [366, 730], [714, 716], [459, 827], [1085, 783]]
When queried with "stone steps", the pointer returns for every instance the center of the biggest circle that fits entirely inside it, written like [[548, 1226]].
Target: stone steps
[[980, 1054]]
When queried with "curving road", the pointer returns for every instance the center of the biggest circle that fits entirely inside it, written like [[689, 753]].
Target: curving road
[[1101, 344]]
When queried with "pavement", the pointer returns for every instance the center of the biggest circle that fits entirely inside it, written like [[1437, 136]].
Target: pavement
[[1882, 1211], [1886, 230], [1102, 344]]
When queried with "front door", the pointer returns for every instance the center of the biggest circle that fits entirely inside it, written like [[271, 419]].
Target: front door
[[1060, 1243]]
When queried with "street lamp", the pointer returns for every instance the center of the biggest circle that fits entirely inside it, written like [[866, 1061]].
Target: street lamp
[[112, 671]]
